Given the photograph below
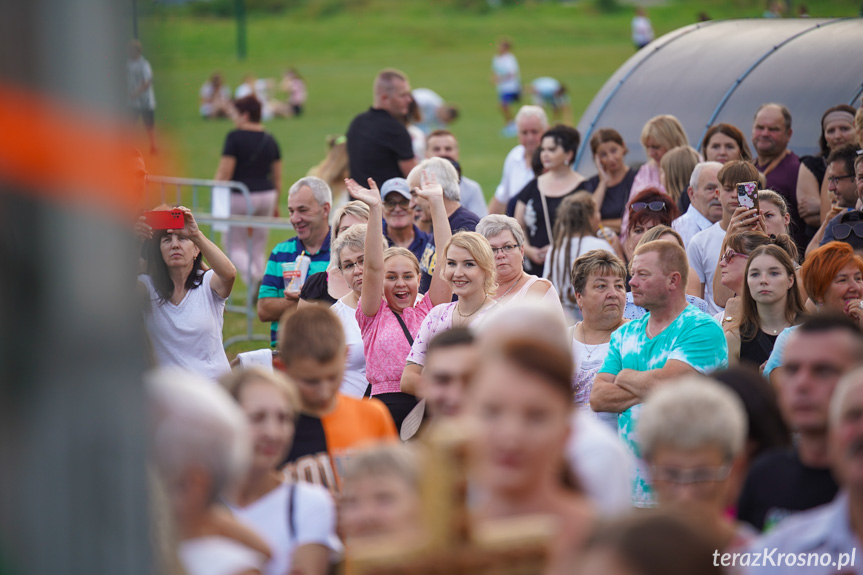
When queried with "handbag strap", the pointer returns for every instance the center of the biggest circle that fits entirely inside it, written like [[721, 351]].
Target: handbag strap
[[545, 213], [258, 151], [291, 523], [404, 328]]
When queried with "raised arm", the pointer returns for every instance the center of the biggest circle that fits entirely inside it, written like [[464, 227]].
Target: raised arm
[[373, 266], [432, 192], [225, 272]]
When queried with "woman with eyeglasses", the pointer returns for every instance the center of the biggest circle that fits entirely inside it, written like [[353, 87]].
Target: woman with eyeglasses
[[813, 197], [506, 239], [647, 209], [692, 434], [329, 286], [536, 209], [574, 234], [770, 302], [348, 257]]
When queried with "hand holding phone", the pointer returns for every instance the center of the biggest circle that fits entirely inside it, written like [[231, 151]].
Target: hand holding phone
[[747, 195], [165, 219]]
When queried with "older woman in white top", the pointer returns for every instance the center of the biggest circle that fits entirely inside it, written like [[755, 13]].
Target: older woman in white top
[[348, 257], [506, 238]]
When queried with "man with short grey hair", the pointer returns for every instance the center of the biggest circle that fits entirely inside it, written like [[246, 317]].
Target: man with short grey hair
[[309, 203], [379, 146], [460, 218], [704, 209], [530, 122]]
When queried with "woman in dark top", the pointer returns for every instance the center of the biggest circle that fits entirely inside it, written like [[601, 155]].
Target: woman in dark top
[[770, 303], [251, 156], [537, 203], [837, 130], [613, 180]]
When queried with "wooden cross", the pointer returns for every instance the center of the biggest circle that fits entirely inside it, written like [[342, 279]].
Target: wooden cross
[[451, 544]]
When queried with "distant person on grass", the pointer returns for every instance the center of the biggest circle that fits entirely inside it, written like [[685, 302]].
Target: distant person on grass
[[142, 99], [379, 146], [507, 80]]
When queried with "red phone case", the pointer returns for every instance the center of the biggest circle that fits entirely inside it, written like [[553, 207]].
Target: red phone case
[[165, 219]]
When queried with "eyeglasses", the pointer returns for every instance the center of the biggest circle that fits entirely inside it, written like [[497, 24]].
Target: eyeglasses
[[391, 205], [652, 206], [730, 255], [835, 179], [842, 231], [505, 249], [353, 265], [690, 476]]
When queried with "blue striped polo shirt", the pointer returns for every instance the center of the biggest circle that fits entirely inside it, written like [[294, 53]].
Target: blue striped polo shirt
[[273, 284]]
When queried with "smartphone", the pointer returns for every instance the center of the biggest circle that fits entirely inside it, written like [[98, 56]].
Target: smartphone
[[747, 195], [165, 219]]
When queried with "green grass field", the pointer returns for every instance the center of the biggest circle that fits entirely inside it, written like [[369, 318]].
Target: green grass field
[[435, 43]]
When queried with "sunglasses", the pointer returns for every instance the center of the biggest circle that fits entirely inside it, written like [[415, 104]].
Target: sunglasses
[[842, 231], [652, 206], [391, 204], [730, 255]]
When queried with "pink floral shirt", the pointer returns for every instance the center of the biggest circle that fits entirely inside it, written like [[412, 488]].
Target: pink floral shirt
[[385, 344]]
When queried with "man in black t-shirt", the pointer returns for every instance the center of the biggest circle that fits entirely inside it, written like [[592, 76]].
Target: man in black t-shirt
[[460, 218], [781, 482], [379, 146]]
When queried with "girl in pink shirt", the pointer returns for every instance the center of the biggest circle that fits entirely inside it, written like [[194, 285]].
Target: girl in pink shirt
[[388, 324]]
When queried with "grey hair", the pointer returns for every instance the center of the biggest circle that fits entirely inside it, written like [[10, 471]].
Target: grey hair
[[847, 383], [445, 173], [690, 413], [396, 459], [696, 172], [531, 111], [320, 189], [493, 225], [354, 237], [196, 423]]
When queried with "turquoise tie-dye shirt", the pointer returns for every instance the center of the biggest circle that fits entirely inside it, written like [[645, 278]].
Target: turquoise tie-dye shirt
[[693, 338]]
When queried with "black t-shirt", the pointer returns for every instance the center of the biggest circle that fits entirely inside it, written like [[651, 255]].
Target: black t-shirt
[[757, 350], [461, 220], [817, 166], [316, 289], [255, 153], [779, 485], [377, 142], [614, 204], [534, 219]]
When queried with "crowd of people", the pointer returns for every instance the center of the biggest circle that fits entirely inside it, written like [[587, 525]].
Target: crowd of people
[[642, 338]]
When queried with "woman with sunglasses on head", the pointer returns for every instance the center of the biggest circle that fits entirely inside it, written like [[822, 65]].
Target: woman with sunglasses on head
[[506, 239], [647, 209], [770, 302], [536, 210], [813, 197]]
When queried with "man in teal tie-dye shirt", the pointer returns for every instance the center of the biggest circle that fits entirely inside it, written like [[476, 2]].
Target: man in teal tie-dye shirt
[[672, 340]]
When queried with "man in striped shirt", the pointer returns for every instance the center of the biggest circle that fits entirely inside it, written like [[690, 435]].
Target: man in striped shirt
[[309, 203]]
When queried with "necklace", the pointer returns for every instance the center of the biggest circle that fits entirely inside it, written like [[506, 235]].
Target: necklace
[[458, 308], [591, 349], [650, 335], [510, 288]]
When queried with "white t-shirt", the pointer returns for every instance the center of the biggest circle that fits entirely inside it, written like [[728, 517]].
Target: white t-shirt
[[216, 555], [471, 196], [354, 383], [642, 31], [189, 334], [314, 518], [505, 67], [138, 71], [600, 460], [516, 175], [558, 271], [703, 253], [428, 101]]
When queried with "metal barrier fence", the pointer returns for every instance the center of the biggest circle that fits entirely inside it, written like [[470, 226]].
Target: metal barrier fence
[[247, 307]]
